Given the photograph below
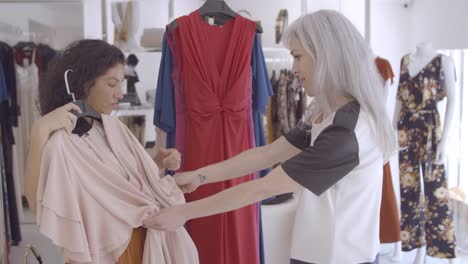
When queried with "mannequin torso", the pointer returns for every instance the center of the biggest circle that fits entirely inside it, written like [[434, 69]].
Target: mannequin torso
[[424, 54]]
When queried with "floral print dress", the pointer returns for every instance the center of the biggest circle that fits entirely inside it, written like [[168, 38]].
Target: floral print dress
[[424, 220]]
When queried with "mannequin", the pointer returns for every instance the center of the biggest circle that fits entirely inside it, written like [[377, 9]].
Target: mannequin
[[414, 64], [423, 55], [126, 18]]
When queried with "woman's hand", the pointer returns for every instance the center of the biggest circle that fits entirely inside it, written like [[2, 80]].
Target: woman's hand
[[168, 219], [168, 159], [189, 181], [60, 118]]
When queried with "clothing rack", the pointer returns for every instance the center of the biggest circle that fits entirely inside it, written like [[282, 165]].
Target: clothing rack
[[12, 34], [277, 59]]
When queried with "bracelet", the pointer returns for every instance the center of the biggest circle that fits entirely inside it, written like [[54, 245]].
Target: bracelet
[[202, 178]]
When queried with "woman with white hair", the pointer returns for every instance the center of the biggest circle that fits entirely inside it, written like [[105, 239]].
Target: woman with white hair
[[333, 158]]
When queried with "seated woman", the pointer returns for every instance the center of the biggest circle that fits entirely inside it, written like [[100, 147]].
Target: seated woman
[[92, 191]]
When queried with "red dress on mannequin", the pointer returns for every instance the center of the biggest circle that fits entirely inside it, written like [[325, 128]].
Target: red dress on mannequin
[[213, 66]]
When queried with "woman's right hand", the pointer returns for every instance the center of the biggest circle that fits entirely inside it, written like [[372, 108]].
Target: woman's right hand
[[60, 118], [188, 181]]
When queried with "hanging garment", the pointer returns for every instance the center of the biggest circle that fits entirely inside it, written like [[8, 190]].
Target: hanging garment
[[423, 221], [3, 86], [389, 218], [8, 106], [7, 60], [94, 190], [271, 110], [282, 104], [218, 111], [287, 104], [4, 251], [27, 81], [291, 100], [46, 53], [385, 69], [174, 102]]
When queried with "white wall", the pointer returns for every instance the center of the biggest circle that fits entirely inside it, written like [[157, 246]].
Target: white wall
[[315, 5], [63, 18], [151, 14], [92, 19], [442, 22], [266, 11], [355, 11], [155, 14]]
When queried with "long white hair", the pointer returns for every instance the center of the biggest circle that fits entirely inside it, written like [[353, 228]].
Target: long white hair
[[344, 65]]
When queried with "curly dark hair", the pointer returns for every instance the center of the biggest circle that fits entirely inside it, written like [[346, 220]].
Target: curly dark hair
[[89, 59]]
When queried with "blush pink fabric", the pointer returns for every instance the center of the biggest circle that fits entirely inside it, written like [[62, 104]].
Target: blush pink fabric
[[94, 190]]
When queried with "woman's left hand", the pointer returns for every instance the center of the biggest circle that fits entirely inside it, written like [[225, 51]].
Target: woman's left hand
[[168, 219]]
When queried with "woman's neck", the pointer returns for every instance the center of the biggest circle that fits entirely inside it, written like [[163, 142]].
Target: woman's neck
[[338, 103]]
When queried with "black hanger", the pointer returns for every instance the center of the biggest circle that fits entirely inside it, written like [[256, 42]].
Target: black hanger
[[219, 10], [25, 45], [82, 126]]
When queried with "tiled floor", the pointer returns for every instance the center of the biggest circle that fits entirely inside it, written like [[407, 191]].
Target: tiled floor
[[51, 255]]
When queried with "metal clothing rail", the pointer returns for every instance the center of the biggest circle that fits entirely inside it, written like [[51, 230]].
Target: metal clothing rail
[[277, 59]]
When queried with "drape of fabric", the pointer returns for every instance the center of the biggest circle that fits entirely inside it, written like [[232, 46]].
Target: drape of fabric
[[215, 112], [429, 220], [95, 190], [389, 216], [122, 34]]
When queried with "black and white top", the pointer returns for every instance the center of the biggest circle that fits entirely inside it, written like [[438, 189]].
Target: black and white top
[[340, 167]]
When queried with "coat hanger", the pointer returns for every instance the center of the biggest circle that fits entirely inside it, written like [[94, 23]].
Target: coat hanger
[[217, 9], [82, 126]]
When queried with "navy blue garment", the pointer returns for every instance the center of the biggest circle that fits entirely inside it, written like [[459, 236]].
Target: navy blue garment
[[8, 62], [3, 87]]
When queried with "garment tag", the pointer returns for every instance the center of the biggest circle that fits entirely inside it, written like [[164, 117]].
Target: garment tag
[[211, 21]]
